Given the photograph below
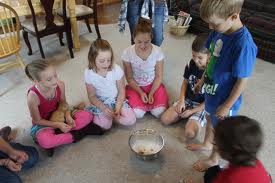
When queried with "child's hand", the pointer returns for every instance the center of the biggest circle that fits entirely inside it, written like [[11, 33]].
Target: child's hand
[[18, 156], [151, 98], [222, 112], [180, 107], [11, 165], [117, 112], [144, 97], [187, 113], [109, 112], [70, 121], [64, 127]]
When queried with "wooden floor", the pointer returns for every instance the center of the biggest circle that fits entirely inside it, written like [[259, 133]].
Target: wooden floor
[[108, 14]]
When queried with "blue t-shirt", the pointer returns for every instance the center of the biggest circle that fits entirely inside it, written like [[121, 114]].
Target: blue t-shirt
[[232, 56]]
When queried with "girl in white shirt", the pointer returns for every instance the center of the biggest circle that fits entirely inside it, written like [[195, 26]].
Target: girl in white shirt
[[105, 84], [143, 66]]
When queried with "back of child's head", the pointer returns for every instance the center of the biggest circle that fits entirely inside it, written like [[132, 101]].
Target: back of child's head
[[238, 140], [220, 8], [97, 46], [143, 26], [198, 44], [34, 69]]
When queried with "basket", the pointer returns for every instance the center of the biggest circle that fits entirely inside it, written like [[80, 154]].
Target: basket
[[179, 30]]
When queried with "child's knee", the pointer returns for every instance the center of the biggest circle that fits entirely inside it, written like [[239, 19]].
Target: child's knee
[[165, 119], [130, 117], [44, 143], [44, 140], [128, 121], [139, 113], [158, 111], [188, 133], [192, 127], [103, 121], [84, 116]]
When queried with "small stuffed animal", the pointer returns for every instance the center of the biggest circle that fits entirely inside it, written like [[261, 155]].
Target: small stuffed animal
[[59, 114]]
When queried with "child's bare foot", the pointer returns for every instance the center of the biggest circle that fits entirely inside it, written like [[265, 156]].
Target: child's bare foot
[[199, 147], [203, 165]]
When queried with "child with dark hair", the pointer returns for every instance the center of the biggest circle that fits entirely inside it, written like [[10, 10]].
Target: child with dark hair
[[190, 105], [238, 140]]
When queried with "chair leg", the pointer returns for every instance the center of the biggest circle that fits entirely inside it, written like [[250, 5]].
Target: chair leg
[[88, 25], [40, 47], [26, 39], [20, 60], [96, 27], [60, 35], [70, 42]]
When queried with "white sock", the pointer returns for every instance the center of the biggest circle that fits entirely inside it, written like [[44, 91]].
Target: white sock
[[139, 113], [158, 111]]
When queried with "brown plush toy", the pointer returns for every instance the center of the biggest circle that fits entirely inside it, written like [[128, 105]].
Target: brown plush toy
[[59, 114]]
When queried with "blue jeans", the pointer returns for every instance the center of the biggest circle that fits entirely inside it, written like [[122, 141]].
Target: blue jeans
[[8, 176], [133, 14]]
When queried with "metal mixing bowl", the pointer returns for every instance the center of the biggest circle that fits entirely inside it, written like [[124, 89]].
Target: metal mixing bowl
[[146, 144]]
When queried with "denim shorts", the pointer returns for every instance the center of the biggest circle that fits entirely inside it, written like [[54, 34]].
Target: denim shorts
[[197, 116]]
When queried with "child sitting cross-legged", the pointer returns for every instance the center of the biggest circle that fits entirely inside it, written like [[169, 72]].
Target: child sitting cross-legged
[[190, 105], [105, 84], [43, 99], [143, 66]]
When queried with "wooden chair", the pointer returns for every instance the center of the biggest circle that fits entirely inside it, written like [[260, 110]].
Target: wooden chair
[[44, 25], [84, 12], [9, 38]]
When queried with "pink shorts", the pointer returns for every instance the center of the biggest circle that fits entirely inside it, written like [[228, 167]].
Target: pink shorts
[[135, 101]]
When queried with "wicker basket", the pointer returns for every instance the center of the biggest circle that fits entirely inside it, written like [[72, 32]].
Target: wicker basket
[[179, 30]]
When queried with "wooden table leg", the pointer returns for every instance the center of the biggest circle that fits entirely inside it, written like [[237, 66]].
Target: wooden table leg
[[71, 6]]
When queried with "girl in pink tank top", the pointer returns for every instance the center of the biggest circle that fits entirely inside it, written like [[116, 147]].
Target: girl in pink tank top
[[43, 98], [46, 106]]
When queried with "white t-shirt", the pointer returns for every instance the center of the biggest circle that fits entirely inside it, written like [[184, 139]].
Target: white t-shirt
[[143, 71], [104, 86]]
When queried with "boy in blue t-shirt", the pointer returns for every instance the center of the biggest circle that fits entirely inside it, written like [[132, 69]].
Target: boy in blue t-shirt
[[232, 59]]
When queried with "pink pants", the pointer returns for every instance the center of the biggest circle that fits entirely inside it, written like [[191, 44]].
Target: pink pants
[[135, 101], [47, 138], [127, 118]]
